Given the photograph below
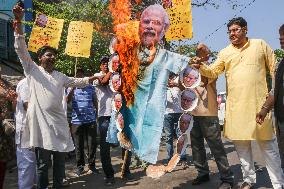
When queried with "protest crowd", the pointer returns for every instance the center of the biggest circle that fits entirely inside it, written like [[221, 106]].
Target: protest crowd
[[142, 92]]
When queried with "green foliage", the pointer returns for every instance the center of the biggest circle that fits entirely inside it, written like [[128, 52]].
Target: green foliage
[[94, 11], [279, 53], [97, 12], [190, 50]]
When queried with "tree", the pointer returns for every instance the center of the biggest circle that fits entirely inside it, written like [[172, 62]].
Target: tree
[[94, 11], [279, 53], [97, 11]]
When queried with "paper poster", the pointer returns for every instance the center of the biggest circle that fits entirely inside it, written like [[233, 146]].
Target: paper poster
[[79, 39], [180, 20], [46, 31]]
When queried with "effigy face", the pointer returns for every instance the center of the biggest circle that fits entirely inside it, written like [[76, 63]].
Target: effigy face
[[190, 77], [115, 83], [117, 101], [185, 123], [150, 28], [115, 64], [41, 20], [188, 100]]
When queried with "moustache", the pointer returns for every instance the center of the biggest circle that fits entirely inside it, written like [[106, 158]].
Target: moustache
[[151, 32]]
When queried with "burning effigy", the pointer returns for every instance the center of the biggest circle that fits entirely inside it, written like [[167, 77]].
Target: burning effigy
[[145, 69]]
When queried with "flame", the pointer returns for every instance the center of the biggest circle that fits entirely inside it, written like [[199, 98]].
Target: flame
[[120, 10], [128, 41]]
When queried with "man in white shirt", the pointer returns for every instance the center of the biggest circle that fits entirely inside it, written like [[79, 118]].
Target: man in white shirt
[[104, 98], [26, 159], [172, 115], [49, 131]]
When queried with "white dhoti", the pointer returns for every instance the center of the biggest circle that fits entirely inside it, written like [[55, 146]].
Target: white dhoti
[[26, 162], [270, 154]]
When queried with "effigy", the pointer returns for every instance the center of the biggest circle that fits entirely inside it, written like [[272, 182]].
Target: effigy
[[140, 100]]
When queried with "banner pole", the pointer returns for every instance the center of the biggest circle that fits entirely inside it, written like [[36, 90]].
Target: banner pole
[[76, 61]]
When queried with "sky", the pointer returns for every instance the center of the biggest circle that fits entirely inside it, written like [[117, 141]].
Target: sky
[[263, 17]]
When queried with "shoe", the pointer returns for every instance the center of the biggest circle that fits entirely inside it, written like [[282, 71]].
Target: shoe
[[165, 162], [200, 180], [80, 170], [225, 185], [128, 177], [184, 165], [109, 181], [246, 185], [65, 183], [94, 170]]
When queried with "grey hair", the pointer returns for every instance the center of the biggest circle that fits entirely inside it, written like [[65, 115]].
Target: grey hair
[[186, 116], [188, 94], [157, 7]]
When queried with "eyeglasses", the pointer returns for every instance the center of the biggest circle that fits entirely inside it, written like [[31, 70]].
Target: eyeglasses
[[189, 77], [236, 30]]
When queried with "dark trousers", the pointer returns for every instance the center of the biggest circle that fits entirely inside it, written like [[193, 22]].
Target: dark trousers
[[85, 134], [207, 127], [43, 156], [280, 140], [2, 173], [105, 146], [170, 125]]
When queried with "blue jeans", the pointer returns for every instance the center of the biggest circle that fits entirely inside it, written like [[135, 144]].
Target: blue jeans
[[170, 125]]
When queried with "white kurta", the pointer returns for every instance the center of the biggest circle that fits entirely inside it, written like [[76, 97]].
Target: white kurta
[[22, 136], [45, 115]]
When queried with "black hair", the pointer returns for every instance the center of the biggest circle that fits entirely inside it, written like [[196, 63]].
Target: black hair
[[238, 21], [43, 49], [281, 29], [80, 70], [104, 59]]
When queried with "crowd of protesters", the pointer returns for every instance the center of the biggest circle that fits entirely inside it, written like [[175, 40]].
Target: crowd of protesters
[[55, 114]]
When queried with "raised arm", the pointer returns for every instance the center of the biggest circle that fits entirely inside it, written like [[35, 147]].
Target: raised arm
[[20, 44], [213, 70]]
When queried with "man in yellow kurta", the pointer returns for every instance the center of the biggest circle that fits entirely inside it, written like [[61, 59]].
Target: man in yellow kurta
[[245, 63]]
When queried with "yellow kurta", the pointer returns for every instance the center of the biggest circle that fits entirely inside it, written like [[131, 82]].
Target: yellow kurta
[[245, 72]]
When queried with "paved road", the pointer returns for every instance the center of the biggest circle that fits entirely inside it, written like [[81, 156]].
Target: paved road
[[179, 178]]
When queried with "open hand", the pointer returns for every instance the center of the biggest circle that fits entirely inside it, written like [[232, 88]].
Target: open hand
[[261, 115]]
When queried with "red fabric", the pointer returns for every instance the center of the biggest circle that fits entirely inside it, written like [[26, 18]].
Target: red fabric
[[2, 173]]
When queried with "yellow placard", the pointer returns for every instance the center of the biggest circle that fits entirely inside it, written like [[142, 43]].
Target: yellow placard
[[46, 32], [180, 20], [79, 39]]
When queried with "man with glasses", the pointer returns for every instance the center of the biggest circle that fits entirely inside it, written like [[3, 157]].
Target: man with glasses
[[245, 63]]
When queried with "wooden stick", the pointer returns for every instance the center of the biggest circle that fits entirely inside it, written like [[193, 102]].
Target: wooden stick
[[124, 163], [76, 61]]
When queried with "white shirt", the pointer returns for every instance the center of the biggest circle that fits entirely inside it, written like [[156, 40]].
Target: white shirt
[[173, 95], [22, 136], [45, 115], [96, 82], [104, 97]]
